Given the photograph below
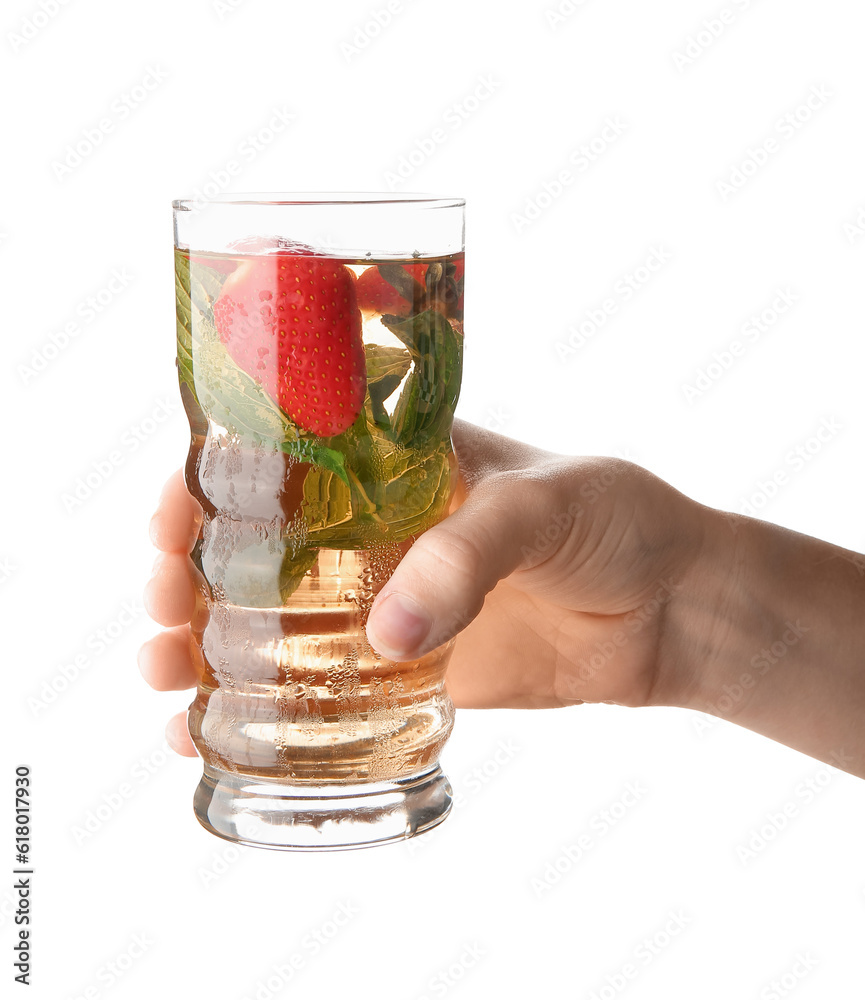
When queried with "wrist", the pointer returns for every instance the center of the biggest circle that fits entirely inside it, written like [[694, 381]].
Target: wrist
[[768, 630], [712, 630]]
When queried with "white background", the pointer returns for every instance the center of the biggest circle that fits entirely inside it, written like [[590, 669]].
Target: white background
[[216, 922]]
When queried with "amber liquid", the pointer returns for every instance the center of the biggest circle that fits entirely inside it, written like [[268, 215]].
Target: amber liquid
[[291, 689]]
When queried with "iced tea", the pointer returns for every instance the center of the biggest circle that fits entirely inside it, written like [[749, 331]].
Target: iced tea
[[320, 393]]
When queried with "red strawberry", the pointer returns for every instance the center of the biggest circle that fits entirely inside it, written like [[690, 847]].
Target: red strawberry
[[292, 322], [374, 294]]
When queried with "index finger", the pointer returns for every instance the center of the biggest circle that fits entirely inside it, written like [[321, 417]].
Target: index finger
[[481, 453], [174, 526]]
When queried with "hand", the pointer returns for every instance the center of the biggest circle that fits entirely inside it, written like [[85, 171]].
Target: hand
[[563, 577]]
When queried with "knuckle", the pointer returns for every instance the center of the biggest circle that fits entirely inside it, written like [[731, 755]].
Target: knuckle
[[451, 556]]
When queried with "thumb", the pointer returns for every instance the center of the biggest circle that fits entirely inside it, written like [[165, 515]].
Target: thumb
[[440, 584]]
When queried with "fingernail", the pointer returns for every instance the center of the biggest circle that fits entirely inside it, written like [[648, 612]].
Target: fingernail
[[401, 625]]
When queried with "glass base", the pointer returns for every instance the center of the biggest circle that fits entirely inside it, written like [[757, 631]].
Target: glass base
[[262, 812]]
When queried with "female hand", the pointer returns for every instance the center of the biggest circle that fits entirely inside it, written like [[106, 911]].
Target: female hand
[[562, 576]]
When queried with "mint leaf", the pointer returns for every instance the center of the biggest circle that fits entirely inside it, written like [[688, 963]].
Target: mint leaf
[[417, 495], [400, 279], [386, 367], [308, 450], [257, 576], [183, 305], [405, 416], [294, 568], [384, 361], [327, 502], [429, 396]]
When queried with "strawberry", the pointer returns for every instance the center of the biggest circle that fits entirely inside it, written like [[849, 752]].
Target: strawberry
[[374, 294], [292, 323]]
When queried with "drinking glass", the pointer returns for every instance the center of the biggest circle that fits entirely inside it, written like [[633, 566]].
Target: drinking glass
[[319, 352]]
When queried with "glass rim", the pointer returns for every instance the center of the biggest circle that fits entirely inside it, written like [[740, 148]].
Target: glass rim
[[300, 199]]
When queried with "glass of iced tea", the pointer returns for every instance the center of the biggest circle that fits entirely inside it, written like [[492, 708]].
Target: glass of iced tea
[[319, 351]]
